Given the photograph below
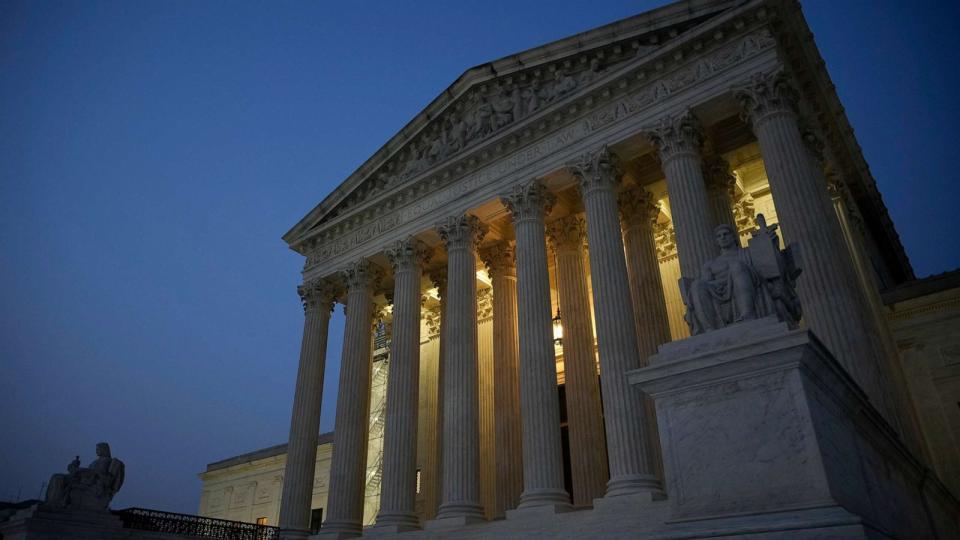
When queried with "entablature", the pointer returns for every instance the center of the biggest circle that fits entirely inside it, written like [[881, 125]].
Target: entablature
[[634, 87]]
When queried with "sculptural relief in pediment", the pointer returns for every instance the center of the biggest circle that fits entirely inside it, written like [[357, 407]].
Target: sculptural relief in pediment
[[487, 109]]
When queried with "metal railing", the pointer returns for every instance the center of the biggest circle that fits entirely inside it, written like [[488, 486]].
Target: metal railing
[[196, 526]]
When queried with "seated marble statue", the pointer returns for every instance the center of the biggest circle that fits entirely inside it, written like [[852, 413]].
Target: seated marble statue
[[90, 488], [743, 284]]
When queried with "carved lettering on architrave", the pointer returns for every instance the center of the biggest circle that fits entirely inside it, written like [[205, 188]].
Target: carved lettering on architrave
[[342, 239]]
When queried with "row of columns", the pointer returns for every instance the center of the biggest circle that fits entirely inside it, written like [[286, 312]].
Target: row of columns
[[622, 258]]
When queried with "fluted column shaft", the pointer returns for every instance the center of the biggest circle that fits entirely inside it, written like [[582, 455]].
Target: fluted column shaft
[[833, 305], [639, 214], [588, 450], [598, 173], [399, 486], [345, 499], [461, 435], [318, 298], [678, 140], [506, 391], [432, 476], [539, 401]]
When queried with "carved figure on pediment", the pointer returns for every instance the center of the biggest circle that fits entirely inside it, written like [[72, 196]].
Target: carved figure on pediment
[[437, 148], [504, 103], [482, 119], [743, 284], [592, 73], [562, 84], [531, 97], [90, 488], [457, 136]]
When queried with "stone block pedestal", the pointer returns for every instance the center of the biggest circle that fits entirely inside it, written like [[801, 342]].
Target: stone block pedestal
[[42, 523], [759, 424]]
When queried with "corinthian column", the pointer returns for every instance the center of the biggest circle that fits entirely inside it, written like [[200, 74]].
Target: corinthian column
[[720, 190], [499, 260], [345, 501], [639, 214], [318, 298], [539, 402], [599, 173], [678, 140], [461, 436], [588, 452], [433, 430], [833, 304], [399, 487]]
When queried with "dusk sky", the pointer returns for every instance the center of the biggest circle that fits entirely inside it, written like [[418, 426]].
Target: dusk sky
[[153, 153]]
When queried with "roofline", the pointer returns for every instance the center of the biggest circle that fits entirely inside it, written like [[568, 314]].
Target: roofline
[[263, 453], [639, 24]]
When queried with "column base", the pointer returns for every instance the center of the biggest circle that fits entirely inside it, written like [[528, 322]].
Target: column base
[[623, 503], [393, 523], [337, 530], [541, 510], [541, 502], [635, 484], [458, 514], [294, 534]]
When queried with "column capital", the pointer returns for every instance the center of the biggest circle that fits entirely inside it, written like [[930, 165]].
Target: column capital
[[432, 318], [814, 144], [717, 175], [500, 259], [765, 94], [318, 294], [484, 304], [461, 232], [361, 274], [638, 206], [407, 253], [597, 169], [438, 276], [530, 200], [567, 233], [678, 134]]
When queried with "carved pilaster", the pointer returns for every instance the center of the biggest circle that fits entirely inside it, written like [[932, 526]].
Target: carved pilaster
[[677, 135], [528, 201], [599, 169]]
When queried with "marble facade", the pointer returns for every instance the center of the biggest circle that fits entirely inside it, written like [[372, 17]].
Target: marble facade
[[571, 186]]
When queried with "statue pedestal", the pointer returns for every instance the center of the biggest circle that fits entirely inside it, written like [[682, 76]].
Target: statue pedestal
[[41, 522], [760, 425]]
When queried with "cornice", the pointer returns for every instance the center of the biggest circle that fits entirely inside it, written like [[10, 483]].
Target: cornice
[[634, 86], [645, 30], [823, 105]]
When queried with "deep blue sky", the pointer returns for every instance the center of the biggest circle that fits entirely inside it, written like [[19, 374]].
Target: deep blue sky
[[152, 154]]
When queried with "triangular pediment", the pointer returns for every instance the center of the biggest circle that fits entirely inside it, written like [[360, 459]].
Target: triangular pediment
[[493, 98]]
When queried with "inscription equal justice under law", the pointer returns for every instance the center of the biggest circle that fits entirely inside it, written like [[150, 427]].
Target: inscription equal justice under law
[[748, 46]]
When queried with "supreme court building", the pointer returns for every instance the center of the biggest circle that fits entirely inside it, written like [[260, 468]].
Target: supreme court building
[[514, 252]]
